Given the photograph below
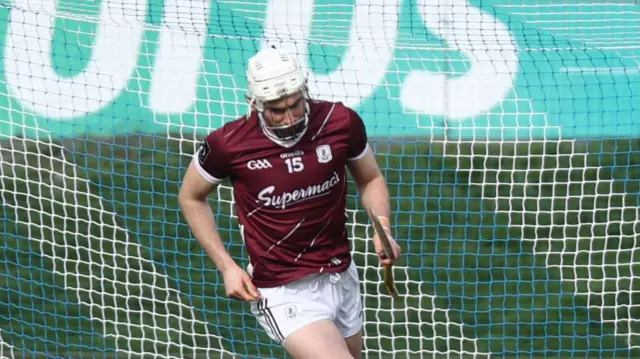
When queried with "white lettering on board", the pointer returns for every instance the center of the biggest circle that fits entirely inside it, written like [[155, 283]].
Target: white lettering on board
[[485, 41], [28, 65], [370, 49]]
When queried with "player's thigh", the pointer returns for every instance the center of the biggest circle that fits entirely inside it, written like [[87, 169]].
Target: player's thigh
[[354, 343], [318, 340]]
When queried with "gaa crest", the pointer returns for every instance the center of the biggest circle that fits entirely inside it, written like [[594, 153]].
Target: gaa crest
[[324, 153], [291, 310]]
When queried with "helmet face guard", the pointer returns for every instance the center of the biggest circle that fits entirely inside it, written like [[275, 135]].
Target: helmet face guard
[[274, 74], [287, 132]]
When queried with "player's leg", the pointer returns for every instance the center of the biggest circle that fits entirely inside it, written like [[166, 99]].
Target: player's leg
[[318, 340], [299, 316], [354, 343], [342, 337], [309, 320]]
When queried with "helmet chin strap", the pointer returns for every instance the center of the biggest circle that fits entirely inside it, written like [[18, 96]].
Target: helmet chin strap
[[289, 132]]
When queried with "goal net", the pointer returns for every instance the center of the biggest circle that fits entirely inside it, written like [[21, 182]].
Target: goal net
[[507, 131]]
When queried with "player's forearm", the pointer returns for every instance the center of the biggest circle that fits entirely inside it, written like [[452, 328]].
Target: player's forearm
[[375, 195], [202, 222]]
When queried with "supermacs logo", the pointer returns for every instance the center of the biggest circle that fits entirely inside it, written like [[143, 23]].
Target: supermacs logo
[[301, 194]]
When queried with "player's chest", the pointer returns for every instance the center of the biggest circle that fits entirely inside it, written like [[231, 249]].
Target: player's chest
[[299, 165]]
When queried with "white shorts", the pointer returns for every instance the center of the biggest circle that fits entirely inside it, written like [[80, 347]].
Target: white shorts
[[334, 296]]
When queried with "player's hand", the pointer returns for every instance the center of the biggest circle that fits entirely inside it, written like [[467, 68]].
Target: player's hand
[[238, 284], [377, 243]]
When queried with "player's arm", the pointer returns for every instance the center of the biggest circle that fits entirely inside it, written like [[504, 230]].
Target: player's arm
[[369, 180], [371, 185], [197, 211], [203, 175]]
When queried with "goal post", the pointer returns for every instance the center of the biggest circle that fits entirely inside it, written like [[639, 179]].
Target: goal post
[[506, 129]]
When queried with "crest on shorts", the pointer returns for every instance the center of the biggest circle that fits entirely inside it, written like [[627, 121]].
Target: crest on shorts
[[324, 153], [291, 310]]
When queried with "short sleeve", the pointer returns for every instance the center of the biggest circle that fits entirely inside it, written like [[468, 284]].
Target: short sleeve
[[358, 144], [211, 159]]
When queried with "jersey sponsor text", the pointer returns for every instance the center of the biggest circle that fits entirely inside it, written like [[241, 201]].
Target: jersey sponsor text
[[300, 194], [292, 154]]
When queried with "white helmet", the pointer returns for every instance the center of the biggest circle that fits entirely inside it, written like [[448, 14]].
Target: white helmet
[[273, 74]]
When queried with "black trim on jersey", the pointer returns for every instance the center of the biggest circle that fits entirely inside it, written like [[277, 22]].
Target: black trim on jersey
[[203, 152], [271, 320]]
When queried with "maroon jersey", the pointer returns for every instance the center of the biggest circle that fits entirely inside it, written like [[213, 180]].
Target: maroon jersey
[[290, 199]]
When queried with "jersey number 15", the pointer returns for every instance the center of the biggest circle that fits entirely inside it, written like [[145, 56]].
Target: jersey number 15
[[294, 164]]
